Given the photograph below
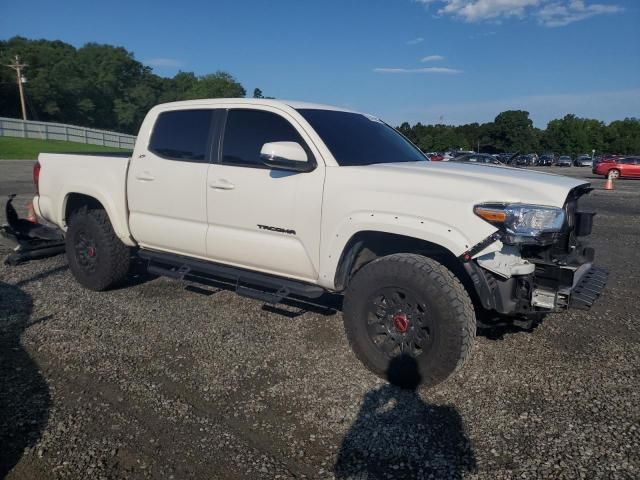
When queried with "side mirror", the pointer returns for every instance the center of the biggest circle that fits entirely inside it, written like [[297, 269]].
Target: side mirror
[[285, 156]]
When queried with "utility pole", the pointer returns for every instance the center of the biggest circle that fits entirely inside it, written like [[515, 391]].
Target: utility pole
[[17, 66]]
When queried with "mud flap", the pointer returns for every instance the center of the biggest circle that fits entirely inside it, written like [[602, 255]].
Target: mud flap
[[31, 240]]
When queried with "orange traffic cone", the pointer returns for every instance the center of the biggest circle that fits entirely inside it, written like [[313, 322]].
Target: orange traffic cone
[[609, 183], [31, 213]]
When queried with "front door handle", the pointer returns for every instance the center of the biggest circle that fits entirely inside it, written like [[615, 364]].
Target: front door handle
[[145, 177], [221, 184]]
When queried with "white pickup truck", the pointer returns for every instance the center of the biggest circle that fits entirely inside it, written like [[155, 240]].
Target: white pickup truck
[[297, 199]]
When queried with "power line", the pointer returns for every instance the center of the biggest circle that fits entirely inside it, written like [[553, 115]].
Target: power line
[[17, 66]]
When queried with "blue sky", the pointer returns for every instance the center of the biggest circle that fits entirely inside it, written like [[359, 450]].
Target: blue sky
[[454, 61]]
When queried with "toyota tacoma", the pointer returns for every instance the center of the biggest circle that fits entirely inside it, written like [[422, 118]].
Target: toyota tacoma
[[295, 199]]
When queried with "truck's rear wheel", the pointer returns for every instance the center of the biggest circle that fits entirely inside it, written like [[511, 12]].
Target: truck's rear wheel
[[409, 305], [97, 258]]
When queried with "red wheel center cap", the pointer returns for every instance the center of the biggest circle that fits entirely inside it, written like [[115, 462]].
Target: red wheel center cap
[[91, 251], [401, 322]]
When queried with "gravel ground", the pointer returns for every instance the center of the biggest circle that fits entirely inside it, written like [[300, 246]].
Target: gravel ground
[[166, 379]]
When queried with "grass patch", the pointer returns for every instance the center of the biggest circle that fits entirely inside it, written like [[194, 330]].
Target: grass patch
[[29, 148]]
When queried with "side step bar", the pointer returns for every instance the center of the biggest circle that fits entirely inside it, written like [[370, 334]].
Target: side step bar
[[260, 286]]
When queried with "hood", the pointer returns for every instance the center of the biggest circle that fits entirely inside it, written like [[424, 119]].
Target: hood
[[429, 200], [476, 182]]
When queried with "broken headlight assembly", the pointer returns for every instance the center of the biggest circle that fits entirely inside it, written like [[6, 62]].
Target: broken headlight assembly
[[521, 223]]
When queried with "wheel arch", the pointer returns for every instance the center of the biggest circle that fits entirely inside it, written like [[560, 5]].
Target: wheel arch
[[73, 201], [365, 246]]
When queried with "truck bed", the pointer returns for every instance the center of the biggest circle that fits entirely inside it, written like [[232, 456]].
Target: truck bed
[[101, 176]]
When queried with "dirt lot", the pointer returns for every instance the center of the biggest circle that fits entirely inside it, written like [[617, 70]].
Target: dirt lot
[[164, 380]]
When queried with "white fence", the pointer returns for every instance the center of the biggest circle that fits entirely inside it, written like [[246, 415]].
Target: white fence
[[13, 127]]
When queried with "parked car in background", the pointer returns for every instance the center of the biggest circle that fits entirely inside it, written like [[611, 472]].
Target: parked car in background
[[459, 153], [564, 161], [507, 158], [603, 158], [615, 167], [435, 157], [584, 161], [521, 161], [526, 160], [478, 158], [546, 160]]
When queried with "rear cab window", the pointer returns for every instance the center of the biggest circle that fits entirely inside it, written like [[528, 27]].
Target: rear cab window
[[183, 135]]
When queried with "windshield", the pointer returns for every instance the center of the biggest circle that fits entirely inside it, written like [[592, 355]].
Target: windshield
[[356, 139]]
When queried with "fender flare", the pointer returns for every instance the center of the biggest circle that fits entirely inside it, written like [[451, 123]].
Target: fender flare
[[423, 229], [118, 219]]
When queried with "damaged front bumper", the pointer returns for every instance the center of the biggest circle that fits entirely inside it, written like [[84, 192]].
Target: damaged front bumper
[[532, 288], [30, 240], [534, 279]]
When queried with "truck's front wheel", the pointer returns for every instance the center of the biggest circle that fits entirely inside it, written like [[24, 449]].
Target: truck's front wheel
[[409, 305], [97, 258]]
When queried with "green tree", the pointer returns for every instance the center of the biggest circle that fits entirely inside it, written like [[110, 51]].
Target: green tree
[[623, 136], [513, 131], [215, 85], [96, 85], [573, 135]]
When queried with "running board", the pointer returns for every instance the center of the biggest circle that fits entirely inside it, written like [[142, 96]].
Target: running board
[[259, 286]]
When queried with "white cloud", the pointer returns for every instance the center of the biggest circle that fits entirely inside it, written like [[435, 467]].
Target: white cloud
[[432, 58], [558, 15], [477, 10], [415, 41], [418, 70], [550, 13], [163, 62]]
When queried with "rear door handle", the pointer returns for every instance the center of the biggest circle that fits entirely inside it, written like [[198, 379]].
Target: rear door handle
[[221, 184], [145, 177]]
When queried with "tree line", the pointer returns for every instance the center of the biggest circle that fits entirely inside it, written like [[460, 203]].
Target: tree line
[[99, 86], [513, 131], [104, 86]]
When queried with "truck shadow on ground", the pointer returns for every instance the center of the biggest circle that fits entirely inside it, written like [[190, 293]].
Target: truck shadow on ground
[[398, 435], [496, 327], [24, 393]]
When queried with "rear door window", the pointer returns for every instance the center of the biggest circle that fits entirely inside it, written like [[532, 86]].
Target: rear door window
[[182, 135]]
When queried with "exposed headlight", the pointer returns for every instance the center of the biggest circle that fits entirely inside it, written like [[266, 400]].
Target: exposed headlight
[[521, 220]]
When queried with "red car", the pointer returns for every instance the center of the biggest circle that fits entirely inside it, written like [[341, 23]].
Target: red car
[[615, 167]]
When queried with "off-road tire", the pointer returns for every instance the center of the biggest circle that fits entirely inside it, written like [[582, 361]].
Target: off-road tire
[[447, 303], [111, 257]]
